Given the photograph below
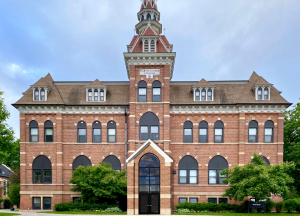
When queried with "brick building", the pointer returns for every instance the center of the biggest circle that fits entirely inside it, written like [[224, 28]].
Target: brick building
[[172, 137], [5, 173]]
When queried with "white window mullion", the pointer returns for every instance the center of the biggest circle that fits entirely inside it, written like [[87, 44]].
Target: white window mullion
[[39, 94]]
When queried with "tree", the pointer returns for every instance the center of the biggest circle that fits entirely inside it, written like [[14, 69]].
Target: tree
[[99, 183], [258, 180], [15, 177], [14, 194], [292, 143], [13, 156], [6, 133]]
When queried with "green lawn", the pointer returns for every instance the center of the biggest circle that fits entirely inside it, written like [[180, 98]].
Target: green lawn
[[4, 214], [83, 213], [240, 214]]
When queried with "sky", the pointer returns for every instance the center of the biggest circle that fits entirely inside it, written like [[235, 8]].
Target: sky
[[84, 40]]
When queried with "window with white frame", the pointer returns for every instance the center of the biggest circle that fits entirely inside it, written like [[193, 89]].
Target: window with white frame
[[203, 94], [262, 92], [40, 94], [95, 94], [149, 45]]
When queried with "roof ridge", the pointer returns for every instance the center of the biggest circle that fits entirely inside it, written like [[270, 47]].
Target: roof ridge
[[49, 76]]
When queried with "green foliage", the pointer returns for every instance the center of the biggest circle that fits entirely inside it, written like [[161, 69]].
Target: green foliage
[[270, 205], [291, 205], [15, 177], [114, 209], [7, 203], [99, 184], [13, 156], [81, 206], [182, 210], [14, 194], [279, 206], [292, 143], [200, 207], [258, 180]]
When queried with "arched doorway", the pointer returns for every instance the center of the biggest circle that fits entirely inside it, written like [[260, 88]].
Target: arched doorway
[[149, 184]]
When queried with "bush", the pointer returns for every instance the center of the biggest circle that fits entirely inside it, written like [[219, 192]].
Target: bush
[[82, 206], [291, 205], [14, 194], [279, 207], [269, 205], [114, 209], [182, 210], [7, 203], [199, 207]]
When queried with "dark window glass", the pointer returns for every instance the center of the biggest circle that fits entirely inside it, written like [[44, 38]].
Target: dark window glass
[[149, 16], [142, 17], [188, 132], [149, 127], [209, 95], [182, 200], [253, 131], [111, 132], [42, 94], [90, 95], [223, 200], [48, 131], [269, 129], [212, 200], [81, 132], [37, 176], [219, 127], [215, 166], [47, 176], [142, 88], [96, 95], [154, 17], [114, 162], [81, 161], [203, 94], [193, 200], [197, 95], [188, 170], [34, 131], [203, 132], [47, 203], [101, 95], [76, 200], [149, 160], [259, 93], [36, 95], [42, 170], [36, 203], [266, 93]]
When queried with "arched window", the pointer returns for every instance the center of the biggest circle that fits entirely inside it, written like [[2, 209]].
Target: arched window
[[114, 162], [156, 91], [259, 93], [142, 91], [148, 16], [36, 94], [209, 94], [269, 131], [149, 127], [197, 95], [48, 128], [111, 132], [253, 132], [152, 46], [216, 164], [203, 132], [97, 132], [142, 18], [90, 95], [188, 170], [81, 161], [188, 132], [266, 93], [96, 95], [33, 131], [81, 127], [101, 95], [146, 46], [203, 94], [219, 132], [265, 160], [41, 170], [154, 17], [42, 94]]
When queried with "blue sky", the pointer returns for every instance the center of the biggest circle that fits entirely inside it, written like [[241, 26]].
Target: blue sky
[[85, 40]]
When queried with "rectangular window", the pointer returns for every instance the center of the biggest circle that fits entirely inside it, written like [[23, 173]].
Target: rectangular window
[[209, 95], [223, 200], [47, 176], [144, 132], [47, 203], [154, 133], [218, 135], [36, 203], [36, 95], [203, 135], [203, 93], [48, 135], [142, 95], [212, 200], [187, 136], [34, 132], [266, 94], [81, 135], [97, 135], [268, 135], [37, 176], [221, 177], [197, 95], [156, 95], [101, 95], [90, 96], [193, 200], [182, 176], [252, 135], [111, 135], [42, 95], [212, 178], [182, 200], [193, 176], [75, 200], [96, 96]]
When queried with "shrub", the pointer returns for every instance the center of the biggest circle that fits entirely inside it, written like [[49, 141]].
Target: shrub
[[269, 205], [291, 205], [199, 207], [82, 206], [7, 203], [114, 209], [279, 207], [182, 210]]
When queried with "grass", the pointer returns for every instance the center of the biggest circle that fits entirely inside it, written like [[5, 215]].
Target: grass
[[240, 214], [4, 214], [84, 213]]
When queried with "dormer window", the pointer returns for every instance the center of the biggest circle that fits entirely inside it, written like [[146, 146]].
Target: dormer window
[[36, 94], [149, 45], [203, 94], [197, 95], [101, 95], [259, 94], [266, 94], [94, 94], [90, 95], [262, 92], [40, 93], [209, 95]]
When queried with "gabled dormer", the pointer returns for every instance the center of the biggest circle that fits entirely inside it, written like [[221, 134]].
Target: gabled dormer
[[203, 91], [96, 92], [262, 89], [40, 90]]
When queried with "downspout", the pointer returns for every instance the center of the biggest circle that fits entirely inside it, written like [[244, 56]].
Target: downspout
[[125, 139]]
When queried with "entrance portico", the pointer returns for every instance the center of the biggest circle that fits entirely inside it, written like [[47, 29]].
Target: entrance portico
[[149, 181]]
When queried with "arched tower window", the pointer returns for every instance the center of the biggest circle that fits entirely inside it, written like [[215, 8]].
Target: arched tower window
[[188, 132], [216, 164], [81, 127], [36, 94], [197, 95], [156, 91], [111, 132], [142, 91], [148, 16], [203, 94], [142, 17], [41, 170], [219, 132], [149, 127], [266, 93], [42, 94], [48, 128], [96, 95], [154, 17], [97, 132], [253, 132], [209, 94], [146, 46], [81, 161], [33, 131], [203, 132], [259, 93], [152, 46], [188, 170], [90, 95], [269, 132], [114, 162]]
